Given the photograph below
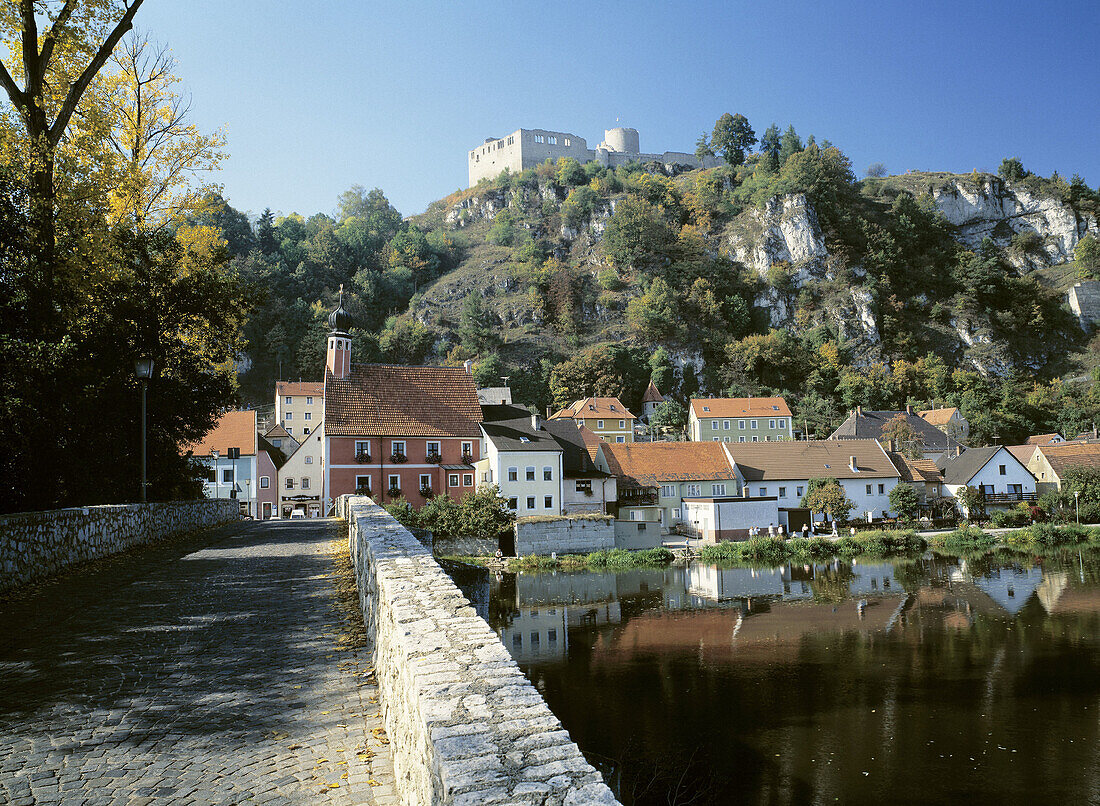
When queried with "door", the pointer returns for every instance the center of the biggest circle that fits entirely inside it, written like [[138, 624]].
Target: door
[[267, 510]]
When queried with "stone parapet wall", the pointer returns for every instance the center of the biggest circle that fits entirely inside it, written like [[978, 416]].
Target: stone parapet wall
[[466, 546], [38, 545], [465, 725], [564, 536]]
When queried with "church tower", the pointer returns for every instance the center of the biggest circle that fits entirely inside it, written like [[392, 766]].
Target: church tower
[[338, 362]]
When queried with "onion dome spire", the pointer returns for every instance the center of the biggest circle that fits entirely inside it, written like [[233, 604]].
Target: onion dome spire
[[340, 320]]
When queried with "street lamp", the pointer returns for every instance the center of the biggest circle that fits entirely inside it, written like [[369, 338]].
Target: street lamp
[[143, 369], [1077, 503]]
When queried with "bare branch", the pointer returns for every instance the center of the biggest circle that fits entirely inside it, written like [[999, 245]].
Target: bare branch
[[81, 84]]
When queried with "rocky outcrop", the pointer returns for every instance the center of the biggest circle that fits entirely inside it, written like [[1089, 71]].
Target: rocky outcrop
[[994, 208], [785, 231]]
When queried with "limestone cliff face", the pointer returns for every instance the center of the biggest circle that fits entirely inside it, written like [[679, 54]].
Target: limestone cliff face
[[786, 231], [994, 208]]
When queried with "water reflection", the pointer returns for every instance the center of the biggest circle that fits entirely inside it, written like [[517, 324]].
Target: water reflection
[[908, 681]]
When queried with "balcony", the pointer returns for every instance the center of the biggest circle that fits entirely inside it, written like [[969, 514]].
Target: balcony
[[1010, 498]]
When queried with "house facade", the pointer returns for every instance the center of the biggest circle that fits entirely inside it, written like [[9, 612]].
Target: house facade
[[226, 477], [784, 470], [921, 474], [713, 520], [299, 407], [396, 431], [651, 400], [950, 421], [654, 478], [606, 417], [585, 489], [302, 478], [995, 471], [1049, 464], [739, 419], [268, 461], [522, 459]]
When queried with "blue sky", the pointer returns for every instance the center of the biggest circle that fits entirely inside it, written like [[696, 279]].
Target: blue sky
[[318, 96]]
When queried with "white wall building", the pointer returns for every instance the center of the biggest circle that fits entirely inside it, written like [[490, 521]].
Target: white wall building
[[302, 478], [994, 471], [299, 406], [523, 460]]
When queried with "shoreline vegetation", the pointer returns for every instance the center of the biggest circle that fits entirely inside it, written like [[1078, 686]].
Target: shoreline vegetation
[[877, 544]]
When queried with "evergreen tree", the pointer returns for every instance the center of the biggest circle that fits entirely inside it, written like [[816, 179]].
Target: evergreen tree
[[769, 147], [789, 145], [265, 233]]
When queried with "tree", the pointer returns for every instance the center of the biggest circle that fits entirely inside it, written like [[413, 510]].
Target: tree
[[769, 148], [476, 330], [702, 148], [732, 137], [908, 440], [904, 500], [789, 145], [972, 500], [570, 173], [1087, 256], [57, 68], [1011, 170], [825, 495], [876, 170], [669, 414], [265, 233], [160, 149]]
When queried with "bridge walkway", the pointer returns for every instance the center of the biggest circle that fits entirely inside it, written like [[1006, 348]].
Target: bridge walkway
[[225, 667]]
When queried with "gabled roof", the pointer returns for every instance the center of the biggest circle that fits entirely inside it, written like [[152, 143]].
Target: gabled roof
[[649, 464], [278, 458], [606, 407], [961, 469], [652, 395], [316, 388], [866, 424], [500, 395], [704, 407], [1023, 453], [1068, 456], [915, 470], [592, 441], [816, 458], [277, 432], [518, 434], [1044, 439], [576, 461], [938, 417], [234, 429], [390, 400]]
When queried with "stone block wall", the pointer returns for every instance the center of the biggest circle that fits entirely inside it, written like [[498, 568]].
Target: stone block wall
[[466, 546], [37, 545], [564, 535], [465, 725]]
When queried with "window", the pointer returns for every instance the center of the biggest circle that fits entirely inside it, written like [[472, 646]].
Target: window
[[620, 439], [212, 474], [306, 431], [278, 443], [530, 502], [713, 425], [553, 140], [548, 474], [468, 449], [524, 439], [767, 437], [763, 491], [882, 489], [715, 439], [782, 492], [725, 439], [309, 401], [781, 423], [395, 482], [467, 479], [309, 460], [755, 438], [425, 481], [362, 483], [740, 439], [798, 491], [362, 446], [529, 473], [513, 503], [667, 491], [552, 634], [305, 482], [517, 641], [718, 489], [752, 424], [635, 515], [399, 447], [771, 423], [566, 141], [227, 475], [599, 423], [433, 447], [290, 415], [868, 489], [988, 489], [622, 423], [308, 415], [290, 484], [725, 425], [1001, 470], [676, 514], [265, 482], [539, 138], [288, 400], [548, 502], [695, 489], [452, 479], [706, 408], [513, 474]]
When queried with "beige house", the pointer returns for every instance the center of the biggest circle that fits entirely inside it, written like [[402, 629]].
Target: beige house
[[739, 419], [949, 420], [606, 417], [302, 477], [1049, 464], [299, 406]]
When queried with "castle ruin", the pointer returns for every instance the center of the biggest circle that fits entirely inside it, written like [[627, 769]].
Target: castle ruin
[[526, 148]]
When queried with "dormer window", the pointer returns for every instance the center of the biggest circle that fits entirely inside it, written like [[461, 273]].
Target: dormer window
[[591, 407], [613, 407], [524, 439], [706, 408]]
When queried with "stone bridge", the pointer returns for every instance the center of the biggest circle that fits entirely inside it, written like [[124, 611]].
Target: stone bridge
[[233, 665]]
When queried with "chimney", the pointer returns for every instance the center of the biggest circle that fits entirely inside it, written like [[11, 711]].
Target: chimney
[[536, 422], [908, 409], [468, 365], [893, 445], [852, 464], [859, 411], [958, 451]]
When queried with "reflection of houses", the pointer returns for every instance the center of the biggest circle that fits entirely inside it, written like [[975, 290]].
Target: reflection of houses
[[1009, 588], [537, 634], [711, 583]]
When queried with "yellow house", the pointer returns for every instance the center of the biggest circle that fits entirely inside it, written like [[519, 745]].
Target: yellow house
[[606, 417]]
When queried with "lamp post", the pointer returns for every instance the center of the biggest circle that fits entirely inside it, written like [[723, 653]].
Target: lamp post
[[1077, 503], [143, 369]]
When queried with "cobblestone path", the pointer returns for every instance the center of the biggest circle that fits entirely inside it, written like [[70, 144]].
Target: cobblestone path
[[222, 668]]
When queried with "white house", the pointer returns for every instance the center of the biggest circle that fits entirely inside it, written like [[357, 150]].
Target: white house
[[715, 519], [302, 477], [299, 406], [784, 470], [522, 459], [235, 431], [994, 470]]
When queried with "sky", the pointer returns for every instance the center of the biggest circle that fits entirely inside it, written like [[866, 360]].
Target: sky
[[318, 96]]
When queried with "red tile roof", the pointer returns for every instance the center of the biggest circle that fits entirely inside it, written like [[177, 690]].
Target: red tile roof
[[234, 429], [818, 458], [1023, 453], [300, 388], [648, 464], [917, 470], [652, 395], [1068, 456], [389, 400], [739, 407], [608, 407], [591, 439], [1044, 439]]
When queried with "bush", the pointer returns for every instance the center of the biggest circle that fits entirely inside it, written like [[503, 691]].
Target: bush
[[621, 558], [1047, 535], [1018, 516], [963, 539]]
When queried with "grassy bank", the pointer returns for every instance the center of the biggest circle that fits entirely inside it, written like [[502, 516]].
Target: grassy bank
[[614, 559]]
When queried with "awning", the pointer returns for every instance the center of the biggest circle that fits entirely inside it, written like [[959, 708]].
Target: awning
[[467, 468]]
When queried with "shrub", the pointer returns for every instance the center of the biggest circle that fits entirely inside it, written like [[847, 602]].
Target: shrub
[[1019, 516], [962, 539]]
